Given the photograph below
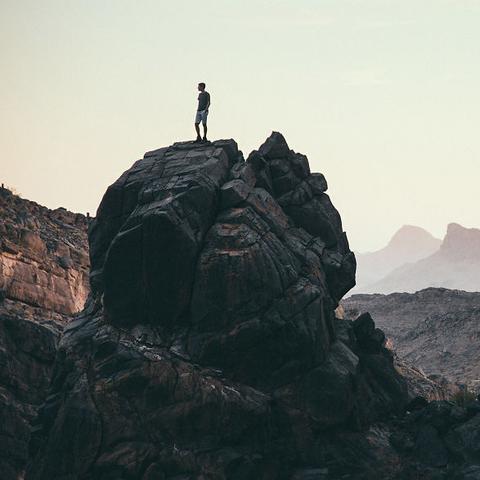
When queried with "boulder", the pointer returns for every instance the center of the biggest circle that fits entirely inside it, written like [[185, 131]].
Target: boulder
[[369, 338]]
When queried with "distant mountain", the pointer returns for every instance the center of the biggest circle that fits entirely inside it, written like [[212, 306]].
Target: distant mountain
[[435, 329], [455, 265], [409, 244]]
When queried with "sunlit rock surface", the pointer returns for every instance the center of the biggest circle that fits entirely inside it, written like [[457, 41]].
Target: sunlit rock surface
[[44, 269]]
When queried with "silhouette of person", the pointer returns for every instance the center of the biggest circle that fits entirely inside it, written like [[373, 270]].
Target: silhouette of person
[[202, 112]]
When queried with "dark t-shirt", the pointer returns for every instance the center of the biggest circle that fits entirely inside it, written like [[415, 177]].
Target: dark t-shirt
[[203, 100]]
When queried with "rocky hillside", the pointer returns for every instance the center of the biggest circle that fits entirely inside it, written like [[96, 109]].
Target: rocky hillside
[[435, 329], [408, 245], [455, 265], [43, 283], [209, 348], [44, 260]]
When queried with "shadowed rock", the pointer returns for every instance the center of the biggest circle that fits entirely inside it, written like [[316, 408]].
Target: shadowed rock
[[43, 283], [147, 262]]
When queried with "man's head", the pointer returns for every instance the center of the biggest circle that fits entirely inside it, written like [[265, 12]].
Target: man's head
[[201, 86]]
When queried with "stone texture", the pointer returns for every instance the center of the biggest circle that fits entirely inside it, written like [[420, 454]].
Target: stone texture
[[438, 440], [43, 283], [43, 258], [433, 329], [27, 353], [143, 277]]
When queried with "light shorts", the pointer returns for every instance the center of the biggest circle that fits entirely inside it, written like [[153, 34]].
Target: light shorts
[[201, 116]]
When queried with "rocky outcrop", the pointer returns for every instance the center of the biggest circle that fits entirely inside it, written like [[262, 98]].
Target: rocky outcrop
[[43, 282], [435, 329], [44, 261], [437, 437], [209, 347]]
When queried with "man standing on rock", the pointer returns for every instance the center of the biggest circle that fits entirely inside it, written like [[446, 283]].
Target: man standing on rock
[[202, 112]]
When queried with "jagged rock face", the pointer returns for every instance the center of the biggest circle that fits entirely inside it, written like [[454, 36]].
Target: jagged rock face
[[151, 235], [27, 353], [204, 248], [435, 329], [209, 347], [43, 281], [43, 259]]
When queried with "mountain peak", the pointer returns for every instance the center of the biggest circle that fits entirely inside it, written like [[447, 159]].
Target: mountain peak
[[457, 230], [409, 244], [461, 243], [410, 235]]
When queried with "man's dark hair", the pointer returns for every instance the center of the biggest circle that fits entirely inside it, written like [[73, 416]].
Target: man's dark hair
[[201, 84]]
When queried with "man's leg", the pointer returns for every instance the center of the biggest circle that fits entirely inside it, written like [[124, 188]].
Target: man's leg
[[197, 129], [205, 131]]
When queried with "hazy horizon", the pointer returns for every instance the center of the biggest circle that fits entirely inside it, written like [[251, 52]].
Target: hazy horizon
[[382, 96]]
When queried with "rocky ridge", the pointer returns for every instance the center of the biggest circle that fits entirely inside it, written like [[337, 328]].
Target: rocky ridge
[[43, 283], [209, 346], [44, 263], [435, 329]]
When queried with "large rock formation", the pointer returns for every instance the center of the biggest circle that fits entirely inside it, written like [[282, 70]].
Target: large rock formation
[[43, 282], [209, 347]]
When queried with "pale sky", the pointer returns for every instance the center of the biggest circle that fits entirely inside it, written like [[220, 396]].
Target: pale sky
[[381, 95]]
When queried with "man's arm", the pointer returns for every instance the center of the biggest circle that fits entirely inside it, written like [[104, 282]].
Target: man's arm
[[208, 103]]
